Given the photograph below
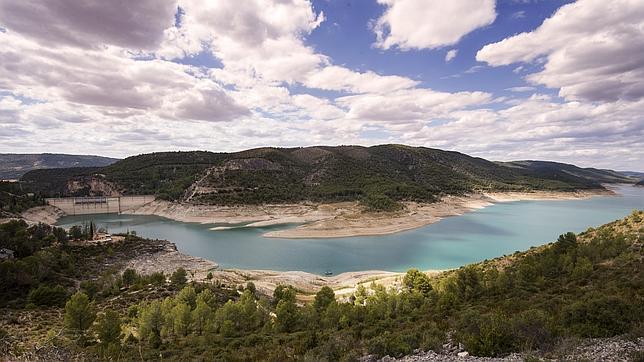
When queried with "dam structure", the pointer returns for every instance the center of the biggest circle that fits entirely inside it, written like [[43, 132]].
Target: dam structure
[[99, 204]]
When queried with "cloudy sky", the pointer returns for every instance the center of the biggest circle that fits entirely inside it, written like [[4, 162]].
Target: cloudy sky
[[504, 80]]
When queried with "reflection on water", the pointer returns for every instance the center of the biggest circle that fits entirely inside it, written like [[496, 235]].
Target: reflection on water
[[486, 233]]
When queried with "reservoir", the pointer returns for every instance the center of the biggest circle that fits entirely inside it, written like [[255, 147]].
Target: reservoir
[[487, 233]]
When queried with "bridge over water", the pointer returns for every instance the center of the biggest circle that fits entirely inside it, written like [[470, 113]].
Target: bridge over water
[[99, 204]]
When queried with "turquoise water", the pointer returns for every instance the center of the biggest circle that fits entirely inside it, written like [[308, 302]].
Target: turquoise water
[[452, 242]]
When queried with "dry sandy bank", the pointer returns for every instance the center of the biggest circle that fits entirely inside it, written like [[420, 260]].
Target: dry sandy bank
[[43, 214]]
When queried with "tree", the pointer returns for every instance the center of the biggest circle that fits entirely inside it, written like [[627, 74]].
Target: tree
[[108, 327], [188, 296], [150, 323], [283, 292], [76, 232], [251, 286], [417, 281], [182, 318], [129, 277], [566, 241], [201, 315], [179, 277], [79, 315], [323, 299], [287, 316]]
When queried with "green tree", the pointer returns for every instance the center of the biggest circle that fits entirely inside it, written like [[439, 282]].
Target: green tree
[[130, 277], [287, 314], [182, 318], [202, 315], [79, 315], [283, 292], [108, 328], [323, 299], [179, 277], [417, 281], [150, 323]]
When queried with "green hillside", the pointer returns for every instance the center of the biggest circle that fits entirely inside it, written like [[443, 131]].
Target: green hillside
[[581, 286], [279, 175]]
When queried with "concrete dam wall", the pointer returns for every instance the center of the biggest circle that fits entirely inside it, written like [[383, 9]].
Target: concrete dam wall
[[99, 204]]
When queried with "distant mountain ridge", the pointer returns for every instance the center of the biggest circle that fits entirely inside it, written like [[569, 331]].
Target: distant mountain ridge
[[564, 170], [14, 165], [317, 174]]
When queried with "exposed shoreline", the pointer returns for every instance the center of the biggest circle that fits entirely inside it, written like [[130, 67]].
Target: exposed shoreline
[[327, 220], [334, 220], [345, 219]]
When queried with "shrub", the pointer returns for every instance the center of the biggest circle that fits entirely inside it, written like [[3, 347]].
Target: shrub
[[598, 316], [380, 202], [46, 296]]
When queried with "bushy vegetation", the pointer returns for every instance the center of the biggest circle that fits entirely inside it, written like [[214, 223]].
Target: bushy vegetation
[[327, 174], [14, 200], [588, 285]]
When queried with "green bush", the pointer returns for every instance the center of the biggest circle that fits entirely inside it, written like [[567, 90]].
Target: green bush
[[47, 296], [380, 203], [599, 316]]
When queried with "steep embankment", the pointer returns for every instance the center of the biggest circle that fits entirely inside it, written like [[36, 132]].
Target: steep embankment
[[378, 176]]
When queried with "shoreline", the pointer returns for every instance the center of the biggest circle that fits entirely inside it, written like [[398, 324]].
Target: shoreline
[[344, 284], [346, 219], [333, 220], [167, 259]]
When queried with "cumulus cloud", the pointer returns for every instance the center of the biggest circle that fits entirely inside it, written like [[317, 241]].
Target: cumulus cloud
[[134, 24], [121, 88], [418, 24], [404, 106], [120, 85], [539, 128], [343, 79], [593, 50]]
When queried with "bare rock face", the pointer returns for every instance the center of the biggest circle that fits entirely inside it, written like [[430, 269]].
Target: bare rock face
[[94, 185]]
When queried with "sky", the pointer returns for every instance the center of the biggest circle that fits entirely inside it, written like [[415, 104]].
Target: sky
[[504, 80]]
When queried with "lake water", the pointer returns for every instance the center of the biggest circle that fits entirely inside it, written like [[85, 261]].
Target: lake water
[[452, 242]]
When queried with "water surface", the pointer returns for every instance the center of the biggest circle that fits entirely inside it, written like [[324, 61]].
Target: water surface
[[452, 242]]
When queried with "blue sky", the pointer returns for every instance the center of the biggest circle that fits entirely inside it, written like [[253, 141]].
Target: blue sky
[[347, 38], [525, 79]]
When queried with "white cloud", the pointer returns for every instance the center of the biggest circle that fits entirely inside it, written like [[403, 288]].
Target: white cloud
[[71, 89], [92, 23], [593, 50], [409, 105], [521, 89], [343, 79], [119, 85], [419, 24], [451, 54]]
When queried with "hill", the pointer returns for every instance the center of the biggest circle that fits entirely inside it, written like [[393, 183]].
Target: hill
[[14, 165], [538, 302], [344, 173], [563, 171]]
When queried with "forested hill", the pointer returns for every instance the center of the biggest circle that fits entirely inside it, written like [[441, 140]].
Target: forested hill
[[278, 175], [14, 165]]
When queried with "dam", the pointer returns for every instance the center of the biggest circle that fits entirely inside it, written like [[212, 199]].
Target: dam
[[99, 204]]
